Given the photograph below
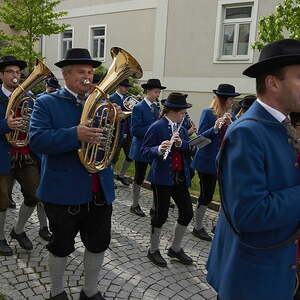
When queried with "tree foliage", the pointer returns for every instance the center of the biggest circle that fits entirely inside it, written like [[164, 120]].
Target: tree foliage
[[30, 19], [283, 23]]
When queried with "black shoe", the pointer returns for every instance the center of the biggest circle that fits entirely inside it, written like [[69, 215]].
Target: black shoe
[[45, 234], [181, 256], [137, 211], [12, 204], [124, 180], [157, 259], [152, 212], [22, 239], [5, 250], [61, 296], [202, 234], [98, 296]]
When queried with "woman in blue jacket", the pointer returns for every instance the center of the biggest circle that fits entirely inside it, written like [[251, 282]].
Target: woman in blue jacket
[[211, 125], [169, 176]]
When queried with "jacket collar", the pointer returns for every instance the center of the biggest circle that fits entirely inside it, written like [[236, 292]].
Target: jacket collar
[[258, 111], [64, 94]]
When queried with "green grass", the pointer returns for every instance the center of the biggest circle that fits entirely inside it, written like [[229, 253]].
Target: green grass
[[2, 297], [194, 190]]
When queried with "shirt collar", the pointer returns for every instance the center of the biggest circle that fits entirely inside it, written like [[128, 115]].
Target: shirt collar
[[171, 123], [278, 115], [5, 91], [71, 92], [120, 95], [148, 102]]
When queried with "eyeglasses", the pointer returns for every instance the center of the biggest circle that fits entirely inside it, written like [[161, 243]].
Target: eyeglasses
[[12, 72]]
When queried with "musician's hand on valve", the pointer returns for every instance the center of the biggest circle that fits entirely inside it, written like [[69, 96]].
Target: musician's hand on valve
[[164, 146], [13, 123], [88, 134], [177, 140]]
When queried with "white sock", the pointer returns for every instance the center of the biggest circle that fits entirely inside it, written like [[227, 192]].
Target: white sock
[[41, 215], [136, 190], [154, 239], [179, 232], [24, 214], [92, 265], [57, 266], [199, 216]]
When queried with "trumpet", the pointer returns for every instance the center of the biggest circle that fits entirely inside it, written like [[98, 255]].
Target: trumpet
[[172, 140]]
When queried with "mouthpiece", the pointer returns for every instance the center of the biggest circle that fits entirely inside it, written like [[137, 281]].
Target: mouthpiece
[[15, 80], [86, 82]]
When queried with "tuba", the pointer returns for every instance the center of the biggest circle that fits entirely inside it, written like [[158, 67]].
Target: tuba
[[99, 112], [21, 105]]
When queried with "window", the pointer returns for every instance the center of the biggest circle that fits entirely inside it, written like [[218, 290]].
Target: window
[[66, 42], [235, 29], [97, 46]]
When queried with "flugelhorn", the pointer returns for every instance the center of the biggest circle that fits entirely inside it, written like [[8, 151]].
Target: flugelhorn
[[20, 104], [130, 101], [99, 112]]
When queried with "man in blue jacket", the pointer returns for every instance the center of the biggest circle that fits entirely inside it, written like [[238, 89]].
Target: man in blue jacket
[[253, 253], [75, 200], [143, 115], [125, 134], [16, 163]]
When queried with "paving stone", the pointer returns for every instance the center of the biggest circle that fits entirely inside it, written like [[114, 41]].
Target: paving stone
[[126, 274]]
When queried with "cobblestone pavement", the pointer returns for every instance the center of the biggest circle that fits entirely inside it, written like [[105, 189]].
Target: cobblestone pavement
[[126, 273]]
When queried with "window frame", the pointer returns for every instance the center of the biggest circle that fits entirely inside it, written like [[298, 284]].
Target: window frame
[[91, 39], [61, 39], [219, 36]]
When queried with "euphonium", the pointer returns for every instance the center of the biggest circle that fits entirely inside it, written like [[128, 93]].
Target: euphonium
[[21, 104], [99, 112]]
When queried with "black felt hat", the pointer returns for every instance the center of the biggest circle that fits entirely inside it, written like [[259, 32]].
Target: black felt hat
[[176, 100], [53, 83], [225, 89], [275, 55], [153, 84], [78, 56], [12, 61], [125, 83]]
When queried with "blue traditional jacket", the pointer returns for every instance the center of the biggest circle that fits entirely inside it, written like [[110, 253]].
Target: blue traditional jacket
[[53, 133], [260, 184]]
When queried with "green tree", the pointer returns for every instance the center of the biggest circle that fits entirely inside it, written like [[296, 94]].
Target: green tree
[[30, 19], [283, 23]]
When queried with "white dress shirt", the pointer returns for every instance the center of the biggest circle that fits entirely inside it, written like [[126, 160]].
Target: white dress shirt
[[6, 92], [278, 115]]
